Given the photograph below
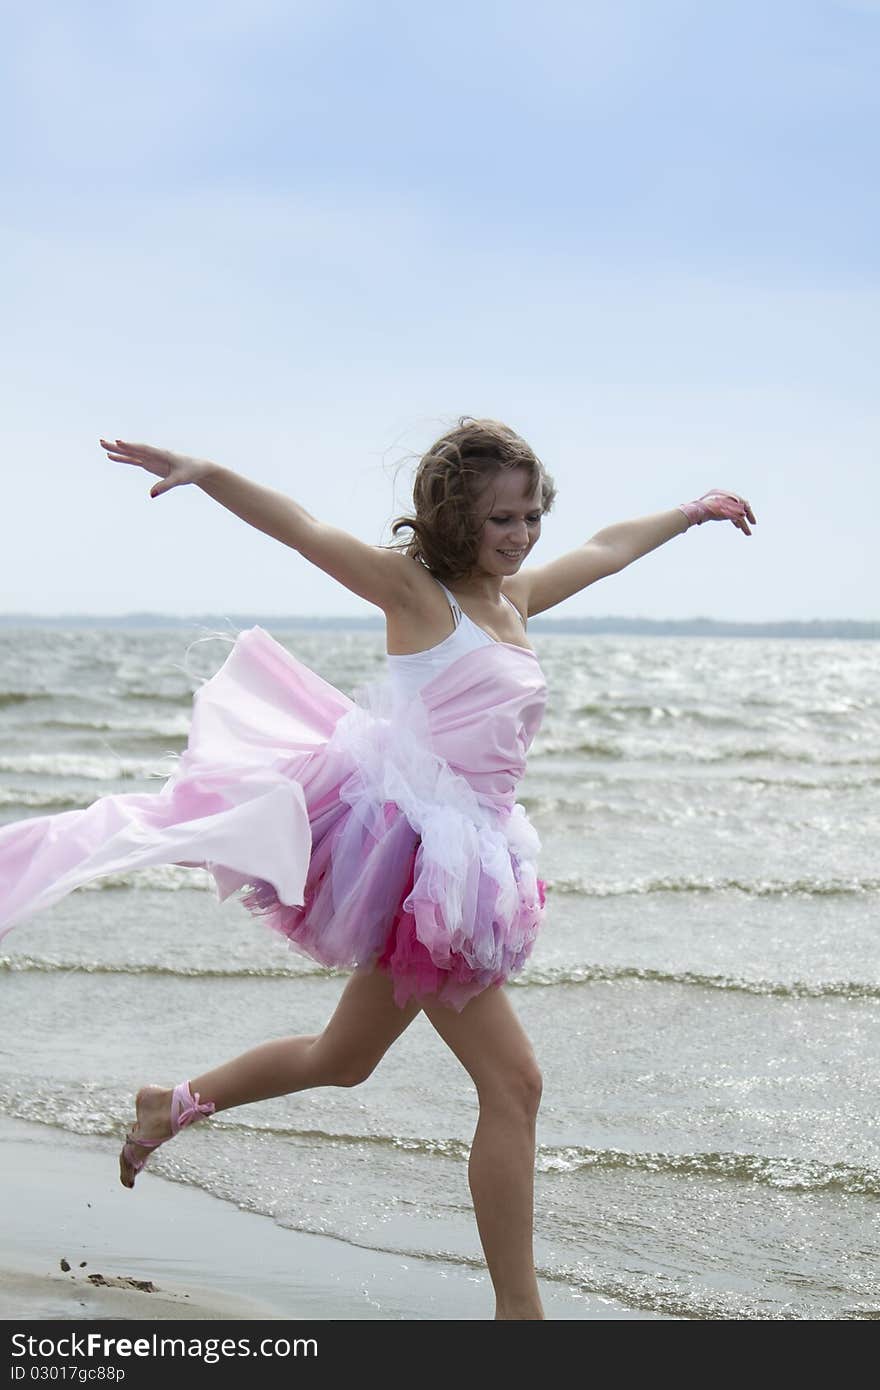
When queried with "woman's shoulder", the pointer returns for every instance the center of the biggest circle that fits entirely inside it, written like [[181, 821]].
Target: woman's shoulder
[[420, 591], [422, 617]]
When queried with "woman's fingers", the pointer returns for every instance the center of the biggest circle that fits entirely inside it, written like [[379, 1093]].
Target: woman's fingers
[[137, 448], [112, 449], [134, 451], [739, 511], [121, 450], [140, 456], [746, 516], [122, 458], [738, 518]]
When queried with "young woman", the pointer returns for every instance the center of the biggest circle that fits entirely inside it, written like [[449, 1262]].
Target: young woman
[[381, 835]]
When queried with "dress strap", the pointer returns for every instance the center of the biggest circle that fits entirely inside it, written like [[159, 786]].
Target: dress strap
[[515, 609], [456, 611]]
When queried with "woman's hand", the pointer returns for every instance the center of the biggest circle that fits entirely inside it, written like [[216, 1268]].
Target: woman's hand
[[173, 469], [720, 506]]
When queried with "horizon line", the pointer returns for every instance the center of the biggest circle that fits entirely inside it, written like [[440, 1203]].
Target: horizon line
[[572, 622]]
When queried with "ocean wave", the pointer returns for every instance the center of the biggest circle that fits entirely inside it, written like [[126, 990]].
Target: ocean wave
[[708, 756], [174, 877], [55, 965], [656, 714], [156, 697], [170, 728], [543, 805], [27, 799], [550, 747], [534, 977], [789, 1173], [158, 878], [794, 1174], [548, 976], [812, 783], [83, 765], [22, 697], [782, 1172], [87, 1113], [753, 888]]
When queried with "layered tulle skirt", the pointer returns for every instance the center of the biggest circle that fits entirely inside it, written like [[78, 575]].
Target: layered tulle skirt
[[409, 870]]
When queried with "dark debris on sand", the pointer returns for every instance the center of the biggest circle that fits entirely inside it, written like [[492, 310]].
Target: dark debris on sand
[[101, 1281]]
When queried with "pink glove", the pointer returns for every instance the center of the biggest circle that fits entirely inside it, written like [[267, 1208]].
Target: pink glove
[[719, 506]]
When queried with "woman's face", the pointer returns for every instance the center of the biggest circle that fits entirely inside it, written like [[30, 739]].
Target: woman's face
[[511, 516]]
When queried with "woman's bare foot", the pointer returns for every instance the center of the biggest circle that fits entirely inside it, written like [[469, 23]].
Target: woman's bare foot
[[153, 1124]]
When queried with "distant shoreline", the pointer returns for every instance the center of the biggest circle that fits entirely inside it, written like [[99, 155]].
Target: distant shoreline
[[638, 627]]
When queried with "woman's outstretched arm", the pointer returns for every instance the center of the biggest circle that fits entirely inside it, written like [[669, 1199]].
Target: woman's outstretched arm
[[381, 576], [616, 546]]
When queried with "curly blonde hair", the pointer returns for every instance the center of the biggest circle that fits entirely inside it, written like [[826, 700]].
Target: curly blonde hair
[[449, 479]]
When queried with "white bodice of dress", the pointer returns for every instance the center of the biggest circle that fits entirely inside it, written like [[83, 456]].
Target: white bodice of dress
[[410, 672]]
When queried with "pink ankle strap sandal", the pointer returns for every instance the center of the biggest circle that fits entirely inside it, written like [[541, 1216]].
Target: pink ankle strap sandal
[[185, 1108]]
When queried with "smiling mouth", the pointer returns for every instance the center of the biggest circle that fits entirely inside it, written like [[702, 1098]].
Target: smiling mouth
[[511, 554]]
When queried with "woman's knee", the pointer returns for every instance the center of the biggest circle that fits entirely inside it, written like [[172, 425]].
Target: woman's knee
[[336, 1068], [531, 1087], [365, 1023], [517, 1088], [352, 1073]]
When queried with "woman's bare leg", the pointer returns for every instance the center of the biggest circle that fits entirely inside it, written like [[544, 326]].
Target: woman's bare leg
[[491, 1044], [363, 1026]]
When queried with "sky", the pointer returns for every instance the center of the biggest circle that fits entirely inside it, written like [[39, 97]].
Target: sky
[[302, 238]]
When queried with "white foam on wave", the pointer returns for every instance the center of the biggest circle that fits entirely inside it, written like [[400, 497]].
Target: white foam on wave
[[86, 765]]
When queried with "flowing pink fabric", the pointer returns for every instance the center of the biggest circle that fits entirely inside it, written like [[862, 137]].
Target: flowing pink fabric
[[369, 833]]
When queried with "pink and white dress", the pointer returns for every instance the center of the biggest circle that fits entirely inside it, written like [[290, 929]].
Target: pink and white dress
[[380, 832]]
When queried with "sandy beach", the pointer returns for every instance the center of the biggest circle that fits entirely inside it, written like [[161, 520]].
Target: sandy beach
[[197, 1257]]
